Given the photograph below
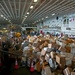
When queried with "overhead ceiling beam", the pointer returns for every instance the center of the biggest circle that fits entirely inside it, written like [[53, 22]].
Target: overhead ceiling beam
[[66, 10], [15, 9], [7, 8], [60, 10], [3, 13], [4, 10], [19, 8], [26, 12], [51, 7], [41, 7], [45, 9], [11, 8], [55, 8], [33, 9], [23, 8]]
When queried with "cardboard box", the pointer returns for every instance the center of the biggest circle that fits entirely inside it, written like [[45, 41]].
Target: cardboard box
[[43, 52], [47, 57], [68, 49], [60, 59], [67, 71]]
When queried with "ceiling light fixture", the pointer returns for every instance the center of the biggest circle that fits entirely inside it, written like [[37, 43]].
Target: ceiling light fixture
[[31, 7], [1, 15], [46, 16], [4, 17], [37, 20], [42, 18], [25, 16], [35, 0], [4, 28], [53, 14], [27, 12]]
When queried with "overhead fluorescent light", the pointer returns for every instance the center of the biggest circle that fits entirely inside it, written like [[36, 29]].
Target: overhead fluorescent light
[[25, 16], [35, 0], [31, 7], [1, 15], [4, 17], [27, 12], [42, 18], [53, 14], [4, 28], [37, 20], [46, 16]]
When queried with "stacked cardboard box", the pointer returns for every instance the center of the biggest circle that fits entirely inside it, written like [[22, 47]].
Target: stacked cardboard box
[[60, 59], [67, 71]]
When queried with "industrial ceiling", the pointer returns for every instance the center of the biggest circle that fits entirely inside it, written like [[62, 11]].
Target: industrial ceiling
[[28, 11]]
